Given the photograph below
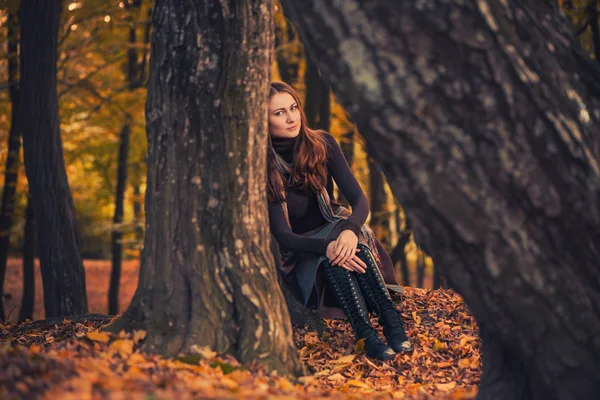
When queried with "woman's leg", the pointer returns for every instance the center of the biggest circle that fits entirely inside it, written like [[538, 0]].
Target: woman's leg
[[345, 288], [379, 300]]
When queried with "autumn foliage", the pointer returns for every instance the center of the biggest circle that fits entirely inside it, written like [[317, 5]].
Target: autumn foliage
[[75, 359]]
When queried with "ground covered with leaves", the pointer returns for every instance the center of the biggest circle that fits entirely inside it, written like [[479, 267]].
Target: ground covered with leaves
[[74, 359]]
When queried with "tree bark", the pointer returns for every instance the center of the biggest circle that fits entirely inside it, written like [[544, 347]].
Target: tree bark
[[28, 298], [63, 276], [13, 158], [481, 117], [207, 276]]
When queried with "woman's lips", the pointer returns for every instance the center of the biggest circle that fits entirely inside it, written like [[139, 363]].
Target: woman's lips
[[293, 128]]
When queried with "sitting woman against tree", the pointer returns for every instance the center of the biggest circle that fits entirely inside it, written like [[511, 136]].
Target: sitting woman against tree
[[327, 252]]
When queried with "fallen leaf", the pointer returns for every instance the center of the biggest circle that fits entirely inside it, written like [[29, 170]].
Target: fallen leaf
[[336, 377], [445, 387], [344, 359], [97, 336], [359, 384]]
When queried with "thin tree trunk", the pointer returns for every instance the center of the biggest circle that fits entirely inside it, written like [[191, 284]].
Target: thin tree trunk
[[317, 104], [421, 269], [494, 155], [398, 255], [207, 276], [28, 299], [347, 146], [11, 173], [593, 21], [63, 276], [380, 219], [117, 233], [138, 214], [135, 75]]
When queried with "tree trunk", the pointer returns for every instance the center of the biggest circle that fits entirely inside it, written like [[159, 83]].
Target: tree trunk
[[438, 281], [316, 105], [138, 214], [117, 233], [380, 219], [398, 255], [347, 146], [11, 173], [135, 74], [207, 276], [28, 298], [63, 276], [421, 269], [494, 155]]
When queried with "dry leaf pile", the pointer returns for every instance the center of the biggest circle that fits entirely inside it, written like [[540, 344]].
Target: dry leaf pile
[[76, 360]]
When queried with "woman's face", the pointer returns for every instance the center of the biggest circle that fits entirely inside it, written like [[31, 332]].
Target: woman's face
[[284, 116]]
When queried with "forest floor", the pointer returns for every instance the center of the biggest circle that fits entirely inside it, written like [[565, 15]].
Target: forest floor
[[72, 359]]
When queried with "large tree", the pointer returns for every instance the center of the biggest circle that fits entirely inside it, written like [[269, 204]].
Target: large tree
[[483, 117], [63, 276], [207, 276]]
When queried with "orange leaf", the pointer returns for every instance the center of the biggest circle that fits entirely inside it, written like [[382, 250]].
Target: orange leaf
[[445, 387], [97, 336], [359, 384], [138, 336], [464, 363]]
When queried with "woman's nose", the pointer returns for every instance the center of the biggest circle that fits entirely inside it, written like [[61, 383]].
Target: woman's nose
[[290, 118]]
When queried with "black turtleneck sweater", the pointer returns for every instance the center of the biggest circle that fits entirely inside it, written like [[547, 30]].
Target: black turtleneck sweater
[[303, 208]]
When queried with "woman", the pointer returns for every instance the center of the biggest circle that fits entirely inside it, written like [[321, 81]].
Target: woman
[[325, 249]]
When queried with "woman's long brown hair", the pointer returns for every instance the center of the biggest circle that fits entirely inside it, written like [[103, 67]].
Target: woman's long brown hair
[[309, 171]]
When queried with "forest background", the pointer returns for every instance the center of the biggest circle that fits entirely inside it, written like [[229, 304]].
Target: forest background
[[102, 69]]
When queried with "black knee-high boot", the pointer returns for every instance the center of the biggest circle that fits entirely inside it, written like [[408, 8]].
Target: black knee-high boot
[[345, 288], [378, 299]]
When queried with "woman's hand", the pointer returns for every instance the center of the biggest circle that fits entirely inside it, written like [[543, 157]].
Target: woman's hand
[[345, 248], [354, 264]]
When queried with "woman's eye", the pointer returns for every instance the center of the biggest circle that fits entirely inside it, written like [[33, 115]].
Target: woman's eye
[[293, 108], [278, 113]]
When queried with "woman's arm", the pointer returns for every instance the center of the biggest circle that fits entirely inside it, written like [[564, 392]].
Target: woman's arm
[[290, 240], [348, 185]]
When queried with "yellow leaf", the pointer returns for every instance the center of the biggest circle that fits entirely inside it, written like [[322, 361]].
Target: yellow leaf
[[336, 378], [437, 346], [345, 359], [359, 384], [138, 336], [359, 347], [466, 339], [123, 346], [416, 318], [444, 387], [97, 336], [285, 384], [464, 363], [323, 372]]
